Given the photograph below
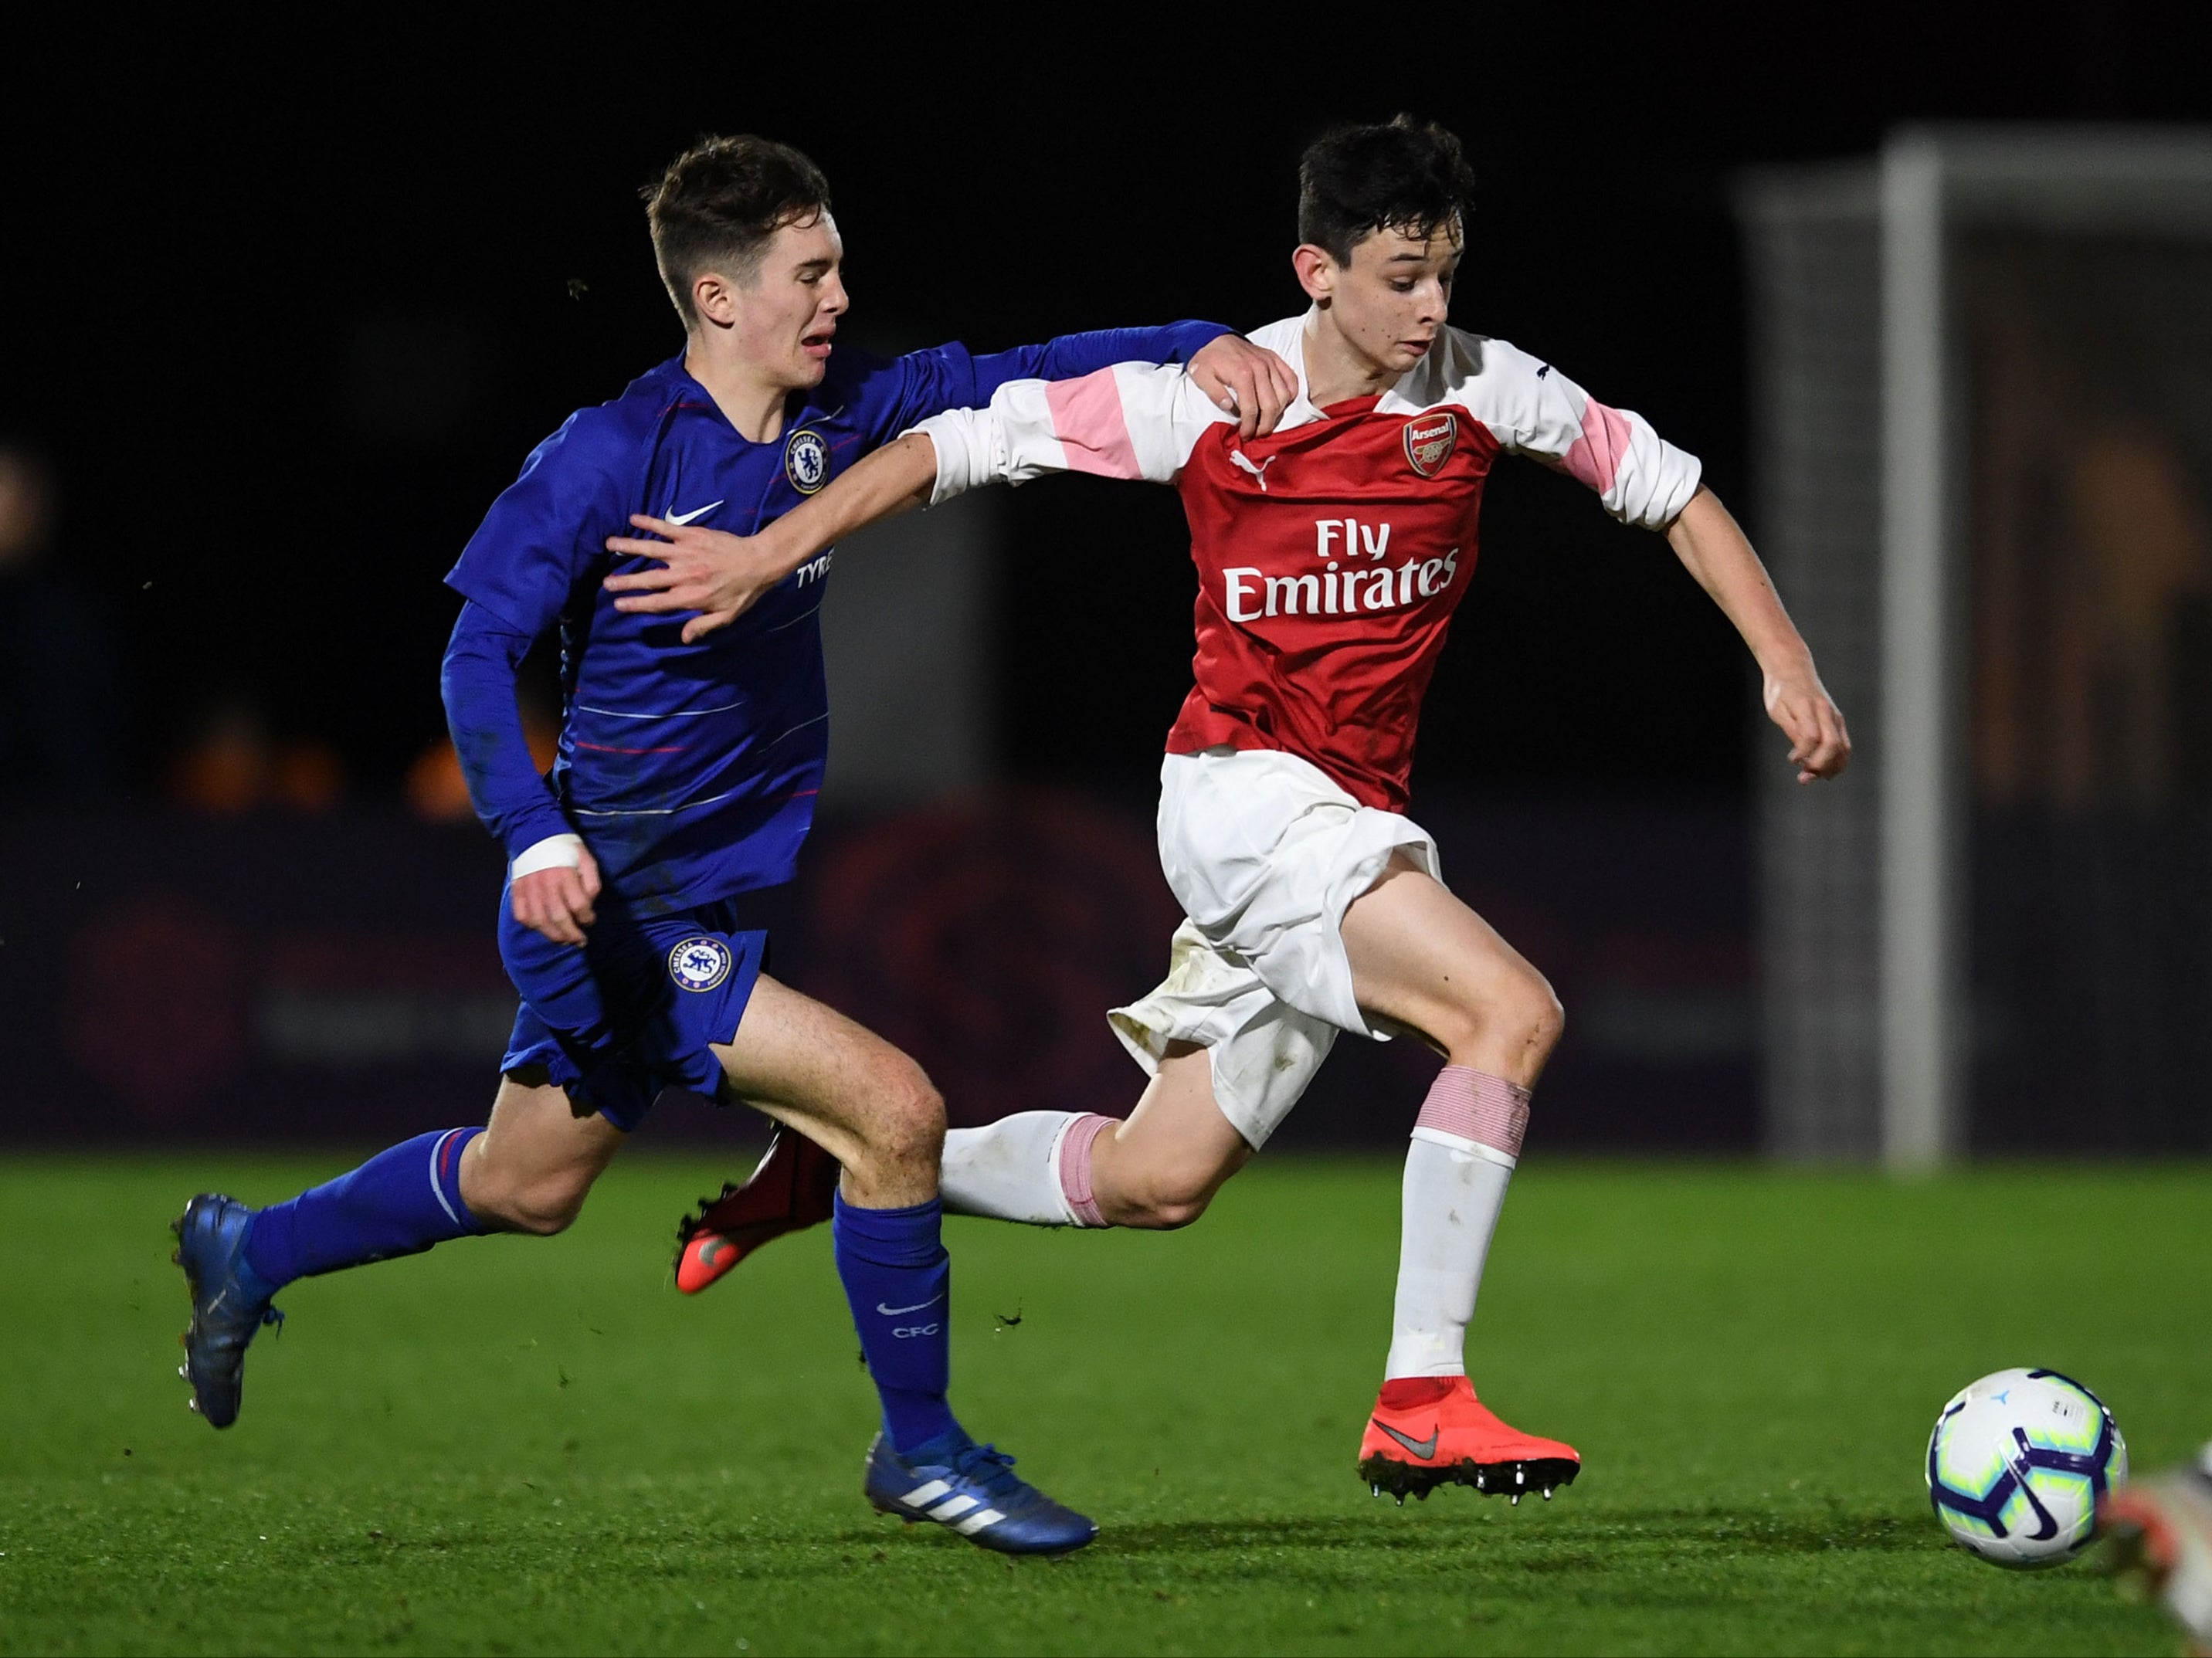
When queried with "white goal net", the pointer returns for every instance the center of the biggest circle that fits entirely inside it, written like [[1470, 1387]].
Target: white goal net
[[1983, 406]]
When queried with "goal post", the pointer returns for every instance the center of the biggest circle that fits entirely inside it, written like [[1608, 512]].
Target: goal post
[[2026, 524]]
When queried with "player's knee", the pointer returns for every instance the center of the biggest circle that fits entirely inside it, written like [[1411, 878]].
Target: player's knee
[[539, 1221], [907, 1125], [539, 1207], [1520, 1012], [1163, 1213], [1517, 1013], [1543, 1020], [1162, 1202]]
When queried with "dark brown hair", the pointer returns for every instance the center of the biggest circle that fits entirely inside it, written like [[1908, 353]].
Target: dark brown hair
[[1406, 175], [719, 204]]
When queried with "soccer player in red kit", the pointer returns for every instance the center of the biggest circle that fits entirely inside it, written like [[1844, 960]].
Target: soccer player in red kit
[[1331, 556]]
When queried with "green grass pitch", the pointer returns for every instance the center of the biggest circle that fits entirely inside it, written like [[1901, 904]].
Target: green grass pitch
[[525, 1446]]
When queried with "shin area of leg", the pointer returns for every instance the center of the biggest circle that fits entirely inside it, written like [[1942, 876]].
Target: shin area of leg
[[868, 1105], [1012, 1170], [1158, 1169], [402, 1201], [898, 1282], [1464, 1147], [527, 1170]]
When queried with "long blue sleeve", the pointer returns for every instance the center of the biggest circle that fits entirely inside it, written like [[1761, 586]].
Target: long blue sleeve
[[1070, 356], [477, 679], [912, 388]]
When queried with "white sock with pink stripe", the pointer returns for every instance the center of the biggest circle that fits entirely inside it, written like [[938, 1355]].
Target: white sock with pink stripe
[[1033, 1167], [1465, 1145]]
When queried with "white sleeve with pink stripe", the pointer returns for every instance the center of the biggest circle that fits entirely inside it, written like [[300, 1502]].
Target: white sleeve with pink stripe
[[1535, 411], [1131, 421]]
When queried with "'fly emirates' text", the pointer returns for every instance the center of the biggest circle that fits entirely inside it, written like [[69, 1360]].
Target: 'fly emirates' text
[[1252, 594]]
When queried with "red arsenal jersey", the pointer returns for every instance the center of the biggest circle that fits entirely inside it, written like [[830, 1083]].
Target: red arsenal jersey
[[1332, 554]]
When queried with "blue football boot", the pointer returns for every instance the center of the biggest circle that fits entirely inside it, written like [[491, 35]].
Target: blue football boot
[[229, 1301], [974, 1489]]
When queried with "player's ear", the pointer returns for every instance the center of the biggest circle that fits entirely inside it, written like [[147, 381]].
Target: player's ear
[[713, 299], [1317, 272]]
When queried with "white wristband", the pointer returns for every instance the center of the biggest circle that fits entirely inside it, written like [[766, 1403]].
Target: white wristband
[[554, 852]]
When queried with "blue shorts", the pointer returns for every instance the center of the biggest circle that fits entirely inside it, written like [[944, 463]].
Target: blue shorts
[[633, 1011]]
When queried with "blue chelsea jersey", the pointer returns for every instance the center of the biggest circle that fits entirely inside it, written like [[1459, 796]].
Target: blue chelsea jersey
[[691, 771]]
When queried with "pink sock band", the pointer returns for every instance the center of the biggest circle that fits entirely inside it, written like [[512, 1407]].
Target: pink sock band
[[1470, 1103], [1075, 1167]]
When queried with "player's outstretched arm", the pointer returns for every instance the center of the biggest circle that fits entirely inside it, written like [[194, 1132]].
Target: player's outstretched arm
[[721, 576], [1131, 421], [1715, 550], [1248, 382]]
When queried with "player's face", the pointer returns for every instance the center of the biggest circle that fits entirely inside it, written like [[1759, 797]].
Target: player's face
[[1390, 303], [785, 317]]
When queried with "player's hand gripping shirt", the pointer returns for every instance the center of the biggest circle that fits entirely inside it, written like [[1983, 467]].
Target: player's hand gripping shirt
[[690, 770], [1332, 554]]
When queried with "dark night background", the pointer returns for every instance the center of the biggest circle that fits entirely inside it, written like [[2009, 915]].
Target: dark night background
[[288, 314], [287, 311]]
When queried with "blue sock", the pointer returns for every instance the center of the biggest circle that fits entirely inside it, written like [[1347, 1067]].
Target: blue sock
[[899, 1281], [399, 1203]]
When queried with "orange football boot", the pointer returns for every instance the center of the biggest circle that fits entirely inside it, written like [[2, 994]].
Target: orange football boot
[[789, 1190], [2160, 1533], [1428, 1431]]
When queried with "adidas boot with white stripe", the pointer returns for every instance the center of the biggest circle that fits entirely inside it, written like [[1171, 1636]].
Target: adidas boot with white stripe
[[974, 1489]]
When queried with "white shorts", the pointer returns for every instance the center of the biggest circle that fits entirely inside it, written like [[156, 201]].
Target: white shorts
[[1265, 853]]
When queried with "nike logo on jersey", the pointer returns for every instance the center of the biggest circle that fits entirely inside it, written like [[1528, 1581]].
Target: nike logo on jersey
[[1239, 459], [1424, 1448], [675, 517], [893, 1312]]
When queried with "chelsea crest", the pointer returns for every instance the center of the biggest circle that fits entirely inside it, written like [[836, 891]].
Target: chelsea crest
[[807, 460], [700, 963]]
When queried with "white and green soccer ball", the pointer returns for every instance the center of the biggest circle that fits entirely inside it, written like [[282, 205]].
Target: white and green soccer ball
[[2017, 1462]]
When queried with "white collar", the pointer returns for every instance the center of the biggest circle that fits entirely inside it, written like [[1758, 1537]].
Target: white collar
[[1287, 339]]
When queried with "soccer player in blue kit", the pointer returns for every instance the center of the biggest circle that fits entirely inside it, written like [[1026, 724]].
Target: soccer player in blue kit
[[686, 780]]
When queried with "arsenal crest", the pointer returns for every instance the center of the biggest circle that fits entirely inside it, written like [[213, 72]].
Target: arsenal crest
[[1429, 440]]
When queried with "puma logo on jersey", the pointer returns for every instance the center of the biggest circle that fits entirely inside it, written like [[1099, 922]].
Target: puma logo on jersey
[[1239, 458]]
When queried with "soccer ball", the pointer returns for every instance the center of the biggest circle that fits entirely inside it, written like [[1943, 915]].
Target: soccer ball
[[2017, 1462]]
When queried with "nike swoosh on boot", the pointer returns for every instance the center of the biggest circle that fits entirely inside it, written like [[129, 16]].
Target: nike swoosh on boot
[[1424, 1448]]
